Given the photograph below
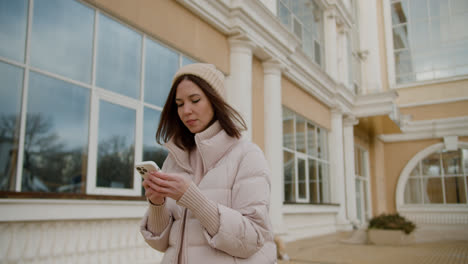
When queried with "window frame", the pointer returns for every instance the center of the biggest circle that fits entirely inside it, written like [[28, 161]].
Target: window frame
[[406, 173], [306, 156]]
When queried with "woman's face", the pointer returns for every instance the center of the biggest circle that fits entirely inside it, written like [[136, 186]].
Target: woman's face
[[193, 106]]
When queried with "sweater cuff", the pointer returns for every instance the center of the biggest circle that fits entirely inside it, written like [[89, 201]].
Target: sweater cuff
[[158, 218], [206, 211]]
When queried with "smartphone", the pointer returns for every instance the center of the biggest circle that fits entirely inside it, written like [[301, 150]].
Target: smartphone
[[145, 167]]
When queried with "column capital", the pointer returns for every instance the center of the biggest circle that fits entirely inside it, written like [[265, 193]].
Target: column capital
[[350, 121], [337, 109], [330, 13], [240, 43], [343, 29], [273, 66]]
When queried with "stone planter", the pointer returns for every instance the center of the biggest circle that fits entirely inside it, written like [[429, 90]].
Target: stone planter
[[389, 237]]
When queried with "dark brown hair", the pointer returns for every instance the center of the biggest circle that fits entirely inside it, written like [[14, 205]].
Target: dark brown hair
[[170, 125]]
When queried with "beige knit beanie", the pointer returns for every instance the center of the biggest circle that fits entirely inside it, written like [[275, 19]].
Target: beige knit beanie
[[207, 72]]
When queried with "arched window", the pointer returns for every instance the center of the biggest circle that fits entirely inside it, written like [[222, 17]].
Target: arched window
[[436, 176]]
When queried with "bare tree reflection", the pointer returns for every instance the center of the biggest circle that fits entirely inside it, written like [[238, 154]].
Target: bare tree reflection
[[9, 131], [47, 164], [115, 163]]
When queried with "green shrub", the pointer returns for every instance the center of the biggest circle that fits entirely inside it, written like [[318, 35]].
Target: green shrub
[[392, 222]]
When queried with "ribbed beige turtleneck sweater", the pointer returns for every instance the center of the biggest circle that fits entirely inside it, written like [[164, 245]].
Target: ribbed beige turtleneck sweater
[[206, 211]]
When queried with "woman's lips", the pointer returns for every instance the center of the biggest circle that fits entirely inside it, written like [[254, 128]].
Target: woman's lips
[[191, 122]]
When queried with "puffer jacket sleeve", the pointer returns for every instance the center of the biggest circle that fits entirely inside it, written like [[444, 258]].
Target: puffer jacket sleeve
[[245, 226], [159, 242]]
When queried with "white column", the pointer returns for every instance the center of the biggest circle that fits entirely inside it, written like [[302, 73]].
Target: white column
[[337, 179], [239, 82], [348, 132], [331, 46], [369, 41], [274, 140]]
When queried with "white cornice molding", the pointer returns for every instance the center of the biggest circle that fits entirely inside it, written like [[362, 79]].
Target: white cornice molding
[[376, 104], [252, 20], [434, 102], [428, 129]]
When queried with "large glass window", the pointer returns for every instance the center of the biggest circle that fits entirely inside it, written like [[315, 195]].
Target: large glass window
[[430, 39], [305, 19], [439, 178], [305, 157], [66, 47], [13, 30], [161, 64], [71, 124], [118, 58], [56, 142]]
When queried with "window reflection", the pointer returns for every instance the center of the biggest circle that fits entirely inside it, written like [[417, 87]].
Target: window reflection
[[289, 177], [311, 140], [300, 135], [413, 193], [418, 9], [288, 129], [301, 179], [455, 191], [62, 38], [55, 148], [400, 37], [118, 58], [432, 190], [10, 103], [438, 39], [400, 12], [161, 64], [116, 144], [313, 181], [152, 150], [13, 29]]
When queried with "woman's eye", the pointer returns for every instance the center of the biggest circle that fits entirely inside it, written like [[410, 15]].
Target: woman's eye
[[196, 101], [179, 105]]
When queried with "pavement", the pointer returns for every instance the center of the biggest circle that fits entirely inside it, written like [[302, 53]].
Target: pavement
[[351, 248]]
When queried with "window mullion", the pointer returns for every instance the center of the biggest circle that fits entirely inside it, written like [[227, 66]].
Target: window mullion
[[442, 176], [24, 102], [93, 116]]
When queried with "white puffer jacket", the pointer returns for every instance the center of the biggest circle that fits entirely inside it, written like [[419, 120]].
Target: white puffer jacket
[[236, 177]]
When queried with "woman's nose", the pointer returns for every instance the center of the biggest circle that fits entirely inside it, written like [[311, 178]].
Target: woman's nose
[[187, 109]]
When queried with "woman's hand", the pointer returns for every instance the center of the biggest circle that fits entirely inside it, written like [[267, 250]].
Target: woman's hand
[[169, 184], [151, 194]]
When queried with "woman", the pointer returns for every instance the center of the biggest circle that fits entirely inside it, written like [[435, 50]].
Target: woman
[[210, 202]]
